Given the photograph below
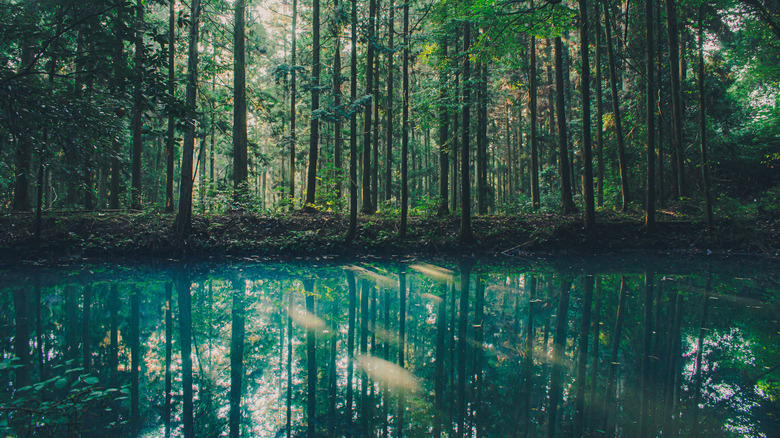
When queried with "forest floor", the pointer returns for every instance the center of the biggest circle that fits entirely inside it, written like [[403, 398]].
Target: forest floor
[[148, 234]]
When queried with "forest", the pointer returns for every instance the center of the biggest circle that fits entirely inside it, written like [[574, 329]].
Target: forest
[[595, 110]]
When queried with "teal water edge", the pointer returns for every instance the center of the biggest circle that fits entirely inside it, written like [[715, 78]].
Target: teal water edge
[[446, 348]]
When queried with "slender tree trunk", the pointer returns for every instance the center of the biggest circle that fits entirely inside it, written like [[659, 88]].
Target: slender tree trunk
[[338, 139], [705, 173], [353, 192], [616, 109], [293, 102], [390, 96], [587, 154], [183, 222], [533, 90], [444, 142], [240, 171], [482, 182], [405, 128], [170, 142], [368, 205], [674, 69], [466, 232], [137, 122], [599, 113], [314, 126], [567, 202], [650, 110]]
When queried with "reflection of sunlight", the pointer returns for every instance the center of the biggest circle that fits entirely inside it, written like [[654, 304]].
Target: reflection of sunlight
[[381, 280], [307, 319], [388, 373], [434, 272]]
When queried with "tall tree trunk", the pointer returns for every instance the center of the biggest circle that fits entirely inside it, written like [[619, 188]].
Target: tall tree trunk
[[353, 192], [705, 173], [466, 232], [460, 407], [405, 128], [533, 93], [170, 142], [482, 182], [599, 114], [368, 204], [567, 202], [314, 126], [674, 69], [390, 96], [117, 58], [137, 122], [293, 102], [338, 139], [240, 171], [587, 154], [616, 109], [444, 143], [650, 110], [183, 222]]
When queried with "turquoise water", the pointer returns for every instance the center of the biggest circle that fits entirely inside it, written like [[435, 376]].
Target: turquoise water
[[455, 348]]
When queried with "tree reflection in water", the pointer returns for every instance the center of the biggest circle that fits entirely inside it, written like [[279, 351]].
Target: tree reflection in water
[[373, 349]]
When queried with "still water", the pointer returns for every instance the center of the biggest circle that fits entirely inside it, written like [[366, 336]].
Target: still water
[[458, 348]]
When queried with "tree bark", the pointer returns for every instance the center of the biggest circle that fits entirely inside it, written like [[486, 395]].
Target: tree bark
[[405, 128], [137, 122], [444, 143], [170, 142], [368, 204], [650, 115], [240, 171], [567, 202], [533, 94], [314, 126], [587, 154], [183, 222], [616, 110], [705, 173], [353, 192], [466, 232]]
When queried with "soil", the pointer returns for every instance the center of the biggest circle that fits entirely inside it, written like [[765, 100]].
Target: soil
[[110, 234]]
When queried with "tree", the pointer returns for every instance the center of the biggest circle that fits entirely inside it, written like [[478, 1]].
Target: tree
[[353, 204], [405, 127], [314, 126], [532, 98], [705, 175], [567, 202], [171, 137], [650, 114], [466, 233], [138, 103], [183, 222], [239, 107], [293, 102], [616, 109], [590, 209], [369, 206]]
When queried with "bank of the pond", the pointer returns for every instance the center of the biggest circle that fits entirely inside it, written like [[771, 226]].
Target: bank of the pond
[[143, 234]]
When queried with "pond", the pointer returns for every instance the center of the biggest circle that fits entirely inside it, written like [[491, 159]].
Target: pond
[[446, 348]]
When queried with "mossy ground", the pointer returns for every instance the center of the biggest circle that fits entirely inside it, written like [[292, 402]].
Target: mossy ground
[[144, 234]]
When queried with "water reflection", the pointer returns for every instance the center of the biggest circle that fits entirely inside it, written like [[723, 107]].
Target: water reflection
[[459, 349]]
